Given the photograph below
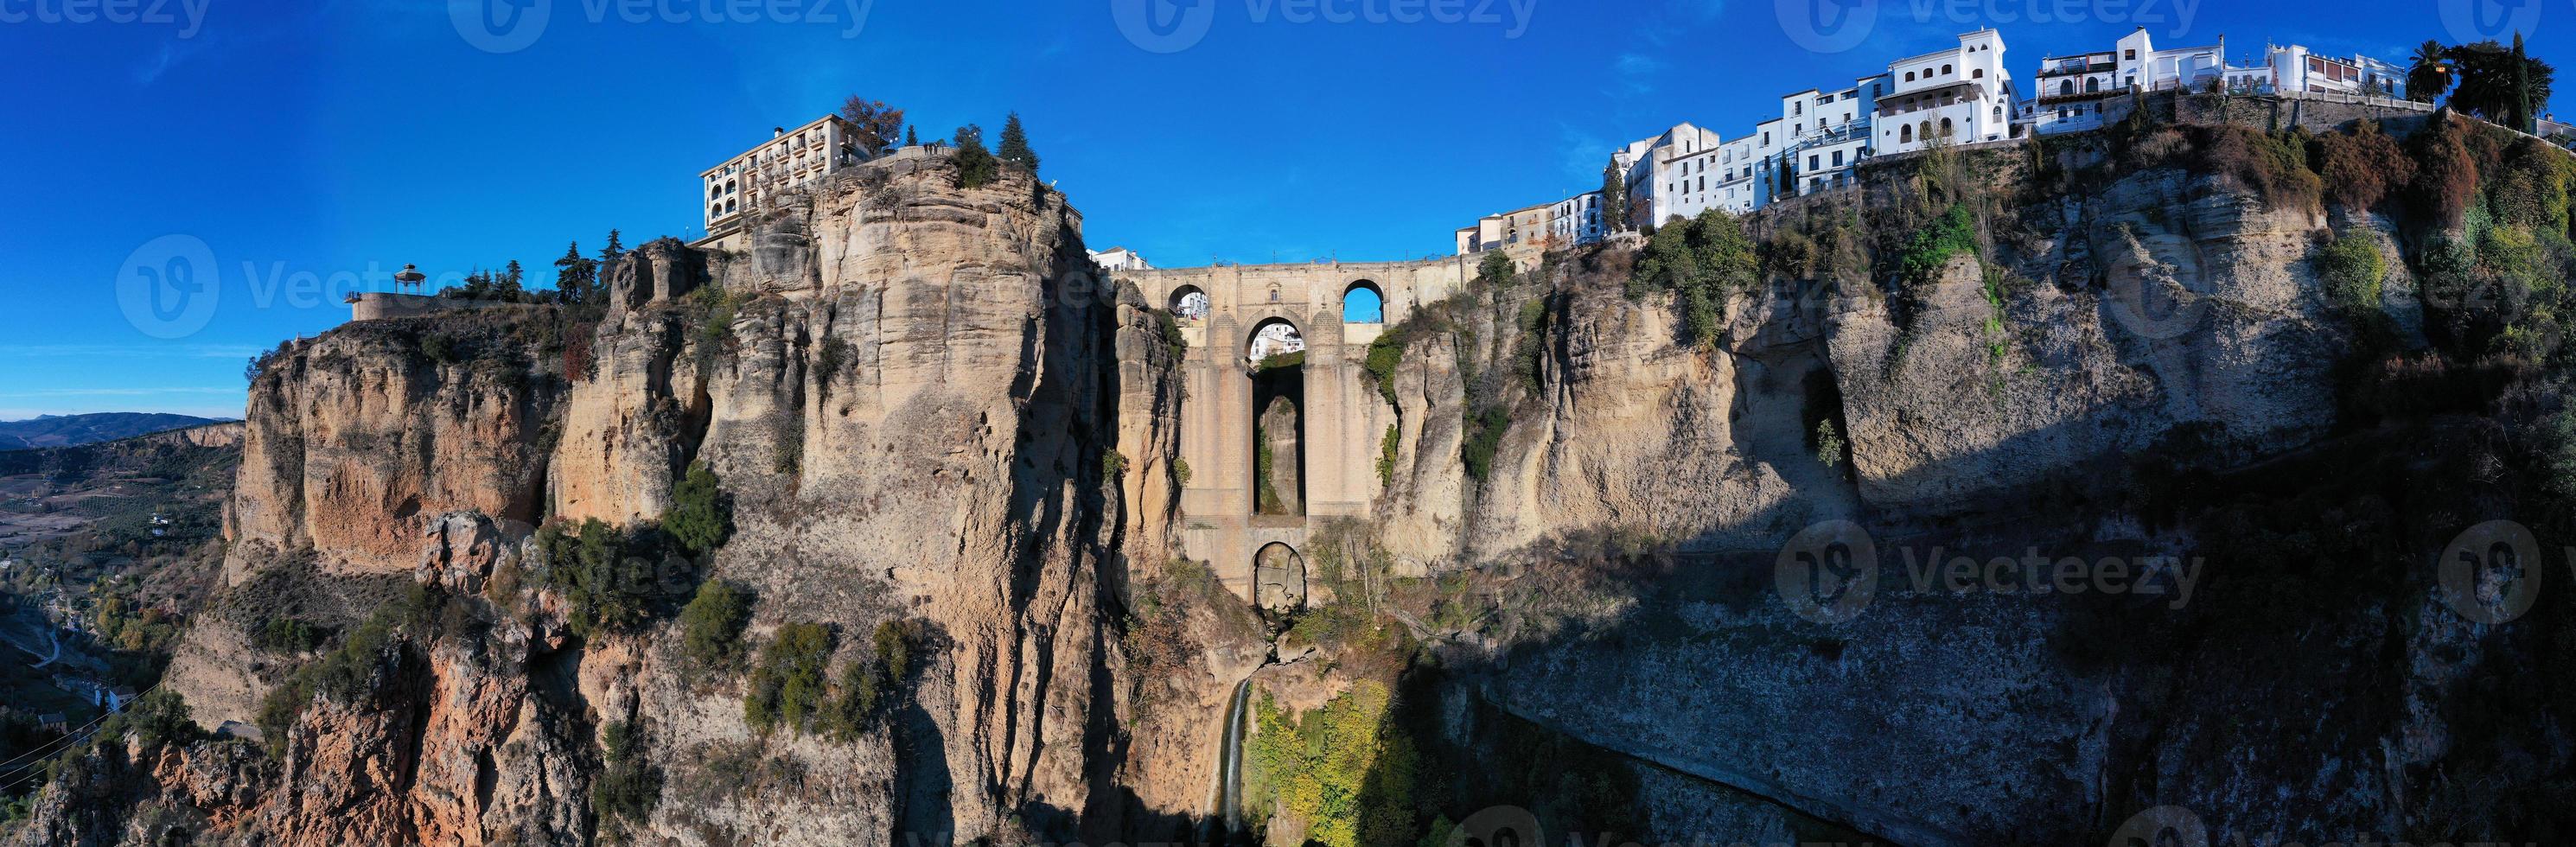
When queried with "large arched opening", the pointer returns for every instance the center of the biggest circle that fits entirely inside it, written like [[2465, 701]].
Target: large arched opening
[[1189, 305], [1363, 303], [1276, 356], [1278, 578]]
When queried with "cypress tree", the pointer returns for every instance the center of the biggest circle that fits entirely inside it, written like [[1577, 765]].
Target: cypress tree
[[614, 251], [1015, 145], [1614, 198]]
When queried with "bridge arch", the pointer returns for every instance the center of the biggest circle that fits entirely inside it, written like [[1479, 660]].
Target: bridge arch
[[1363, 302], [1190, 305], [1278, 577]]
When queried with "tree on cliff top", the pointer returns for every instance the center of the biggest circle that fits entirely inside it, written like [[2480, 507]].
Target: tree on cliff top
[[1614, 198], [876, 122], [2498, 83], [975, 165], [576, 277], [614, 251], [1015, 145], [2430, 75]]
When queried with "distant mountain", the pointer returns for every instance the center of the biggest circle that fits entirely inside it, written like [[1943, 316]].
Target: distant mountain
[[74, 430]]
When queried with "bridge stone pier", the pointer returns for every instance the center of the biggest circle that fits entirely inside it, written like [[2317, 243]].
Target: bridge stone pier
[[1258, 549]]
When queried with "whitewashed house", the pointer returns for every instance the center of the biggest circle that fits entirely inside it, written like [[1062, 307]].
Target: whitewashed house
[[1963, 94]]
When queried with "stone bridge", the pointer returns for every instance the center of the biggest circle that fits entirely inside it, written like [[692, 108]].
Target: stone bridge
[[1327, 467]]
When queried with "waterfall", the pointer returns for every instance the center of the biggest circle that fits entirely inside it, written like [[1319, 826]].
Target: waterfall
[[1229, 774]]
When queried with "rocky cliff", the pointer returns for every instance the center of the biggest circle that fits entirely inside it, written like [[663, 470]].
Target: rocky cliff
[[1594, 589]]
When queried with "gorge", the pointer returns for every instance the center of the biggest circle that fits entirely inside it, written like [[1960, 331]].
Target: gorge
[[907, 524]]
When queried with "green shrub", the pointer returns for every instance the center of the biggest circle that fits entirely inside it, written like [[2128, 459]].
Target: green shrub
[[154, 719], [1829, 444], [627, 788], [1281, 361], [867, 681], [1705, 261], [1496, 270], [1931, 248], [347, 673], [1113, 466], [440, 348], [787, 688], [1384, 353], [717, 306], [1386, 456], [834, 355], [1180, 471], [282, 634], [976, 166], [1484, 436], [711, 625], [2353, 268], [701, 515], [605, 589], [1343, 769]]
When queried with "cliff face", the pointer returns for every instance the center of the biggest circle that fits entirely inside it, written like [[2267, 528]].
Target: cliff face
[[912, 393], [925, 409]]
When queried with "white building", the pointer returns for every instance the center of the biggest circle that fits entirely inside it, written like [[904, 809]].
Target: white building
[[1826, 134], [2082, 92], [2296, 68], [1277, 339], [1653, 170], [789, 160], [1964, 94], [1576, 220], [1120, 259]]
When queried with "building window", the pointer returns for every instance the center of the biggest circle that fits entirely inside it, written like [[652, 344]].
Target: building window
[[1909, 76], [1979, 73], [2132, 55], [1838, 158], [1811, 161], [1945, 69], [1906, 136]]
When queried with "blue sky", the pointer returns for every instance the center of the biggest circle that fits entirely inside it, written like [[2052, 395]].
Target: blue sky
[[299, 152]]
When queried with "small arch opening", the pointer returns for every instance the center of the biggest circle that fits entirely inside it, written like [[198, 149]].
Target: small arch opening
[[1363, 303], [1278, 577]]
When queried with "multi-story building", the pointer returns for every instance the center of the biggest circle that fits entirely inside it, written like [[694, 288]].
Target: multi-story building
[[1963, 94], [789, 160], [1827, 134], [1653, 172], [1492, 232], [2082, 92], [1576, 220], [1120, 259], [2296, 68]]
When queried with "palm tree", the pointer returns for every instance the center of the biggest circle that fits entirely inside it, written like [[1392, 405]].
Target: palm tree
[[2430, 76]]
